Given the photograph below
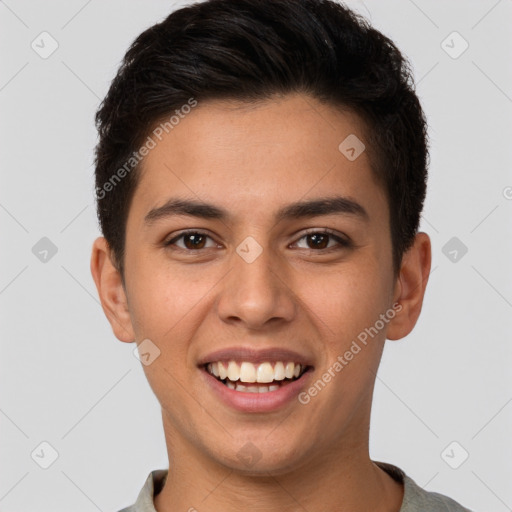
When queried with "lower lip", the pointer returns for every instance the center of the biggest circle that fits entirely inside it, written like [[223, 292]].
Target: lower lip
[[256, 402]]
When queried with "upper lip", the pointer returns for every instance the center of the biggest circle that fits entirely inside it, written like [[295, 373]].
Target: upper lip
[[255, 356]]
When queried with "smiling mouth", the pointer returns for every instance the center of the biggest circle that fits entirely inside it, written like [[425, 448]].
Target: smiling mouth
[[246, 377]]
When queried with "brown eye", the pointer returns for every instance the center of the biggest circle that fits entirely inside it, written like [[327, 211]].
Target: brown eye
[[194, 241], [322, 240], [318, 240], [191, 240]]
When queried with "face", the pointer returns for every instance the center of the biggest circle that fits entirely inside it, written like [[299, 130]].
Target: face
[[254, 243]]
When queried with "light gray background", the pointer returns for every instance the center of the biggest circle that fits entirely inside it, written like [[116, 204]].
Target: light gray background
[[66, 380]]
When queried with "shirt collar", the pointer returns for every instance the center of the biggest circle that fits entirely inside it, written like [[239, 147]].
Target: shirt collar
[[153, 485]]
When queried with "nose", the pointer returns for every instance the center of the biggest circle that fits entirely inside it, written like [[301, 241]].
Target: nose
[[256, 293]]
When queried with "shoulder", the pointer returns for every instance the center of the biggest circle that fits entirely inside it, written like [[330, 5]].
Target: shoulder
[[417, 499], [152, 486]]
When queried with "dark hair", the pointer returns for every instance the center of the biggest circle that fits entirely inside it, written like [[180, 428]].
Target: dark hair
[[251, 50]]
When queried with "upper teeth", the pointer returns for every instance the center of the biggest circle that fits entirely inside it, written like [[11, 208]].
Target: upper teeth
[[248, 372]]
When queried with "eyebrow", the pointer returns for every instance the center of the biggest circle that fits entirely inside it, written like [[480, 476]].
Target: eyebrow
[[298, 210]]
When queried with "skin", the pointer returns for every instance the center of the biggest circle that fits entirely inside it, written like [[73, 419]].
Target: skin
[[252, 160]]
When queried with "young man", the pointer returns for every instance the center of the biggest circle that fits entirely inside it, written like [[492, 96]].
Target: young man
[[260, 175]]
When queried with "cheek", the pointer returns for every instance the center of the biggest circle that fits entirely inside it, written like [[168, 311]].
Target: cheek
[[162, 297], [167, 307], [346, 301]]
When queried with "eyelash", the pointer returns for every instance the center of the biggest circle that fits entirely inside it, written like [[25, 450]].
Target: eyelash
[[342, 242]]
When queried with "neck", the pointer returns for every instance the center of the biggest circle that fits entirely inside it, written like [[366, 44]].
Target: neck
[[333, 480]]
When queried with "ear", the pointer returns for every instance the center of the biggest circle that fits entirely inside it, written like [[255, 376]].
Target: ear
[[111, 291], [410, 287]]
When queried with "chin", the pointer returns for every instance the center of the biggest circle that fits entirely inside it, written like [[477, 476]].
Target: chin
[[261, 457]]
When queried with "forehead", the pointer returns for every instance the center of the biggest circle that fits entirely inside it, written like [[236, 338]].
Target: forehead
[[246, 155]]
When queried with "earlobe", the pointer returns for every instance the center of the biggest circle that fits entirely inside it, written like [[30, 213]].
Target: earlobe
[[111, 291], [410, 287]]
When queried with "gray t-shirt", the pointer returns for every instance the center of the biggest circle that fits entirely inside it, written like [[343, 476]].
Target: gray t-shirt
[[415, 498]]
